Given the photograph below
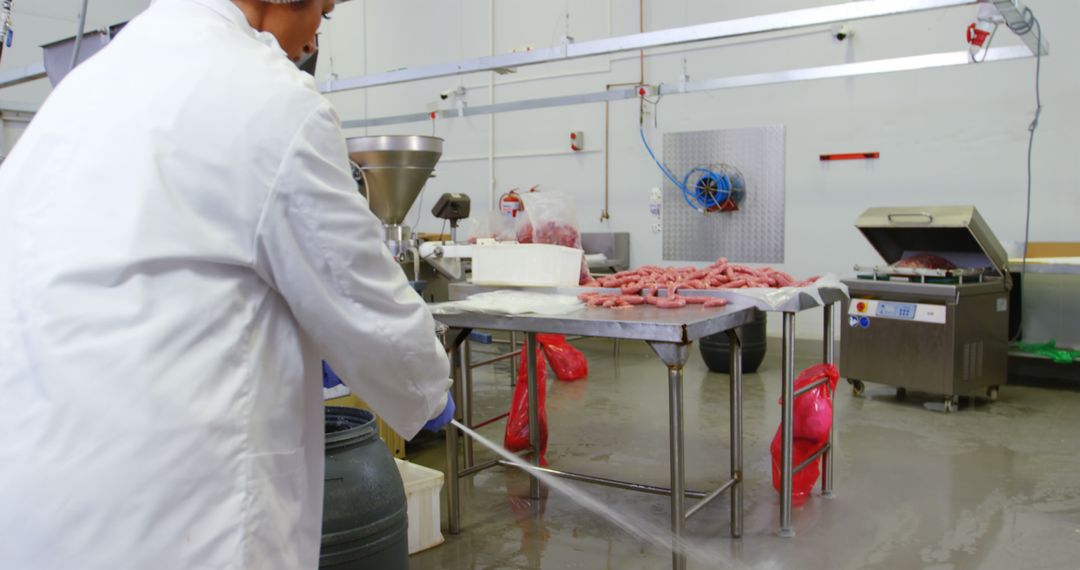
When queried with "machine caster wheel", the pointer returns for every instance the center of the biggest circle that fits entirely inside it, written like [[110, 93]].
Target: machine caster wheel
[[857, 387], [901, 393], [951, 404], [992, 393]]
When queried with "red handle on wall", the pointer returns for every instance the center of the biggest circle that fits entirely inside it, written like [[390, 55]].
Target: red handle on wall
[[851, 156]]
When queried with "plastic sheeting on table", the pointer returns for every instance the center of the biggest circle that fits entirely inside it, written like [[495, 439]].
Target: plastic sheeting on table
[[783, 299], [512, 302], [560, 301]]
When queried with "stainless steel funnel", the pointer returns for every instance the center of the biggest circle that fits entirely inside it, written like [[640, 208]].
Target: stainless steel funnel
[[395, 169]]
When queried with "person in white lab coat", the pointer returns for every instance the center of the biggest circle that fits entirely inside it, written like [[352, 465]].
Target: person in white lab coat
[[181, 242]]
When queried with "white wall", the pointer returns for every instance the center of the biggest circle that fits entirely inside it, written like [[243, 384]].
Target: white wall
[[38, 22], [946, 136]]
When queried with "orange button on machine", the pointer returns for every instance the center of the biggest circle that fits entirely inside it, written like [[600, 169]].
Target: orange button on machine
[[860, 307]]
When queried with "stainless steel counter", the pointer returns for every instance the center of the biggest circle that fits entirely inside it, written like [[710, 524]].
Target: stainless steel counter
[[643, 322], [796, 303], [670, 333]]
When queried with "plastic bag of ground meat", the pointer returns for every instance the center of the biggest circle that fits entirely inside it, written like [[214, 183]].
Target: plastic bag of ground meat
[[550, 217]]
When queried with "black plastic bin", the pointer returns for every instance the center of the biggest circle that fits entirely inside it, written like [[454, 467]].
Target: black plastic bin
[[365, 513], [716, 349]]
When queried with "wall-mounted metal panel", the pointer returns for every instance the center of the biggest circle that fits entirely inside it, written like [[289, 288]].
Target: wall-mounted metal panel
[[754, 233]]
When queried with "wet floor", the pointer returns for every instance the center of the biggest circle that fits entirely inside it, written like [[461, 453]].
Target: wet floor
[[991, 486]]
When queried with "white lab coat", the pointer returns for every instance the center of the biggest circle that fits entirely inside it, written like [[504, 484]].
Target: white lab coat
[[180, 243]]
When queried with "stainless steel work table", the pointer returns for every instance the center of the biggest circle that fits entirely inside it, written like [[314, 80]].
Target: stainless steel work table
[[669, 332]]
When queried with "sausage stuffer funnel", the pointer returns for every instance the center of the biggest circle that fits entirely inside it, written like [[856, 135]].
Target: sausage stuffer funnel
[[391, 171]]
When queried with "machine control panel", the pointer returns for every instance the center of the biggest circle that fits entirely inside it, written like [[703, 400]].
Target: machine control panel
[[893, 310], [919, 312]]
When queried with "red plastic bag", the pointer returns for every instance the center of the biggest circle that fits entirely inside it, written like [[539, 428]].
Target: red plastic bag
[[802, 483], [811, 422], [812, 412], [568, 362], [517, 424]]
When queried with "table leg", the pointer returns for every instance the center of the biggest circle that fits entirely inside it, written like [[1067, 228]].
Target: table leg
[[675, 357], [534, 410], [827, 469], [736, 433], [466, 398], [787, 378], [513, 359], [453, 499], [678, 462]]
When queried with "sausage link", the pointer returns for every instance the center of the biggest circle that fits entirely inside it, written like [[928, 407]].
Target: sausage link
[[671, 302]]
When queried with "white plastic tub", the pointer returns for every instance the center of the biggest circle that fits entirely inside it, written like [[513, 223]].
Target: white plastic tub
[[526, 265], [422, 488]]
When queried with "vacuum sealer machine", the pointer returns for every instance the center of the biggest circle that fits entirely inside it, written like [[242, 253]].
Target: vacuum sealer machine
[[935, 318]]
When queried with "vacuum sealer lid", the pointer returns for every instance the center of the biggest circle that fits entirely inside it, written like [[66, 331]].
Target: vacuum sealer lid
[[898, 231]]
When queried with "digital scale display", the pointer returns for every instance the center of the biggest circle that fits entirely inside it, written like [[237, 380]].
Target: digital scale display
[[896, 310]]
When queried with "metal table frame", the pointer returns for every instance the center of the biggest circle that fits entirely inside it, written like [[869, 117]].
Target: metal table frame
[[671, 342], [788, 394]]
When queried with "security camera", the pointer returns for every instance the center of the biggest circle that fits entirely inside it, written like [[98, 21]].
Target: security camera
[[452, 92], [842, 32]]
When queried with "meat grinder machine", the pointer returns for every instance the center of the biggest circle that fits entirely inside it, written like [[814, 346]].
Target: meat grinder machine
[[391, 171]]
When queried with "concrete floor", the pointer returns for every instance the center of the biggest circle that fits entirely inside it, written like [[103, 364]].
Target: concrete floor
[[991, 486]]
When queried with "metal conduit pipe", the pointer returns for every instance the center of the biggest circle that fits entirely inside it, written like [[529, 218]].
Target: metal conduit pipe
[[79, 35], [605, 214]]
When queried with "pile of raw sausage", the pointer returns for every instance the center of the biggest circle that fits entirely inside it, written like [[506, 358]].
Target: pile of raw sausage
[[641, 285]]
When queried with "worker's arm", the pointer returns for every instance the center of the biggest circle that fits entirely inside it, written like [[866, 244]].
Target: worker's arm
[[321, 248]]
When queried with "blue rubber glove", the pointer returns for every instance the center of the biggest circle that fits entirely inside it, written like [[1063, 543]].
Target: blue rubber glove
[[443, 418], [329, 379]]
